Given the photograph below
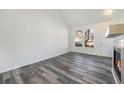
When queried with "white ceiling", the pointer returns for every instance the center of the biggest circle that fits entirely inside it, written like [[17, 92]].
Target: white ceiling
[[77, 17]]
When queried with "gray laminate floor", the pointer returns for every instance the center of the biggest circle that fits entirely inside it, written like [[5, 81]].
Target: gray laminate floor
[[70, 68]]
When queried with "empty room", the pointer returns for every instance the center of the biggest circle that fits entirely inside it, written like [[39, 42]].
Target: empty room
[[61, 46]]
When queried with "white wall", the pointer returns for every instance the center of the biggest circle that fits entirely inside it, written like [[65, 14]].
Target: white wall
[[118, 16], [29, 36], [103, 46]]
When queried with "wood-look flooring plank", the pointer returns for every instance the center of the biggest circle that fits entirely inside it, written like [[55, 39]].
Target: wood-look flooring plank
[[68, 75], [49, 72], [69, 68], [63, 77], [16, 76], [51, 79], [39, 73]]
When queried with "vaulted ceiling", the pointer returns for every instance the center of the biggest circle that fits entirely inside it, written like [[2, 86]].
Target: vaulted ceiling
[[77, 17]]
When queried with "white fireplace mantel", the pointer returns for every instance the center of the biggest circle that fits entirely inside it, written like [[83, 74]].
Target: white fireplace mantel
[[114, 30]]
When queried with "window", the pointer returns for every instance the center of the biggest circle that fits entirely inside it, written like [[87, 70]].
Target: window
[[89, 38], [79, 39]]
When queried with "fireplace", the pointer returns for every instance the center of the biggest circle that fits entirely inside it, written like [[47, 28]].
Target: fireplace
[[117, 61]]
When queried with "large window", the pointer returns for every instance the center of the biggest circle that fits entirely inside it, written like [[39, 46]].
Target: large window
[[89, 38], [79, 39]]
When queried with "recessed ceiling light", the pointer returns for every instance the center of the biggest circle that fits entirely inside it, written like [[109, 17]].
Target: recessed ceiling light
[[108, 12]]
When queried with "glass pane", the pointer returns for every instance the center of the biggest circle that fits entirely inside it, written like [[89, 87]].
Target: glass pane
[[79, 39], [89, 38]]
